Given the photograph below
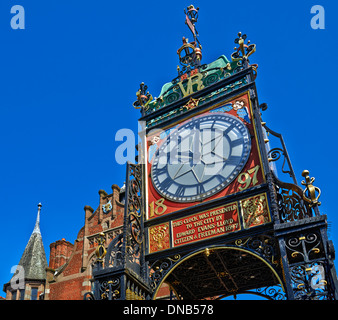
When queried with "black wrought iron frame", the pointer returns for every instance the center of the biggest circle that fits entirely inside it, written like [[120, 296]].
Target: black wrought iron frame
[[294, 245]]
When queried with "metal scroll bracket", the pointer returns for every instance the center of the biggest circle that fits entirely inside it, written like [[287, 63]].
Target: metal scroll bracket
[[275, 153]]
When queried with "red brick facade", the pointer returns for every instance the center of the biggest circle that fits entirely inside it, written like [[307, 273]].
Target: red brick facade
[[70, 265]]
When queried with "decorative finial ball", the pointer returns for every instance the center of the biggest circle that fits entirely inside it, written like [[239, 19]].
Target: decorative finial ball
[[305, 173], [263, 106], [39, 205]]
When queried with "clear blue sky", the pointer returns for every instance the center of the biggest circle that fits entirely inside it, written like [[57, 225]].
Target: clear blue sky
[[68, 81]]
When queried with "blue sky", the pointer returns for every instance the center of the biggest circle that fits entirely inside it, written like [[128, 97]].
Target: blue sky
[[68, 81]]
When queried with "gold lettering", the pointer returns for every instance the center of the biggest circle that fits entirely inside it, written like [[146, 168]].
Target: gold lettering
[[194, 81]]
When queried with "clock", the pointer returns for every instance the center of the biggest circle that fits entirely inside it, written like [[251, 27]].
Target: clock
[[200, 157]]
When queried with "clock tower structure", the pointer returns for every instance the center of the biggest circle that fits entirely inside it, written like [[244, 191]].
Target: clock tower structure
[[206, 211]]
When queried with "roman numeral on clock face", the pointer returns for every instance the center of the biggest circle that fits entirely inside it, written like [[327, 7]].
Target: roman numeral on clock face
[[180, 191]]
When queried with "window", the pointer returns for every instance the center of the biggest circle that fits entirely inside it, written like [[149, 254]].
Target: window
[[14, 295], [22, 294], [34, 294]]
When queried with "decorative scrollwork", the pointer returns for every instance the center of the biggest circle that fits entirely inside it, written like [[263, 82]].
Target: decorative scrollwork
[[309, 282], [303, 247], [88, 296], [133, 214], [114, 252], [110, 289], [291, 205], [275, 154], [272, 293], [263, 245], [135, 228], [160, 268]]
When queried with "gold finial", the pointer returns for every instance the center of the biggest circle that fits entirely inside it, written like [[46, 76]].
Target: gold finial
[[309, 193], [143, 98], [101, 250], [245, 49], [207, 252]]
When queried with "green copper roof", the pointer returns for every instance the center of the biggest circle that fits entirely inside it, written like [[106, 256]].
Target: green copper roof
[[193, 81]]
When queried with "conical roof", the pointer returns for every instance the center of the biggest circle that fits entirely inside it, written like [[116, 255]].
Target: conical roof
[[33, 259]]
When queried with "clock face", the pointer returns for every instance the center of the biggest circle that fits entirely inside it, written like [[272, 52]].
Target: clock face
[[201, 157]]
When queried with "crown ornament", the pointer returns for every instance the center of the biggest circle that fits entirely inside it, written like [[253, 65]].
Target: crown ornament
[[143, 97], [244, 50]]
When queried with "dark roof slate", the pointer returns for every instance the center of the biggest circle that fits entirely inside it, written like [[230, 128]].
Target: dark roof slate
[[33, 259]]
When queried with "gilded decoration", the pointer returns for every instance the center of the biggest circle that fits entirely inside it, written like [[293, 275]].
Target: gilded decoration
[[159, 237], [290, 258], [255, 211], [311, 193]]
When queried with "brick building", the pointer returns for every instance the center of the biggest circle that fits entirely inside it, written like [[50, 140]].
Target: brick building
[[70, 265], [68, 275]]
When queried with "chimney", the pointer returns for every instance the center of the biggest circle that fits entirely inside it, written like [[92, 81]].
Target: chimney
[[60, 252]]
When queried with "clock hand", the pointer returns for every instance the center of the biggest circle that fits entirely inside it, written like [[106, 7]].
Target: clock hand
[[175, 176], [196, 176], [184, 169]]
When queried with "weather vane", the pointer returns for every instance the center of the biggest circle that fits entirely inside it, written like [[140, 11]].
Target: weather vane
[[191, 17]]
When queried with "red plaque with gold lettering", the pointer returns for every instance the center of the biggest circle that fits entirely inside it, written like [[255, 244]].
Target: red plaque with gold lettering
[[205, 225]]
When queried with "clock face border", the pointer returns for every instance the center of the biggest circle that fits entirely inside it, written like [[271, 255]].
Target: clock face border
[[235, 125], [157, 206]]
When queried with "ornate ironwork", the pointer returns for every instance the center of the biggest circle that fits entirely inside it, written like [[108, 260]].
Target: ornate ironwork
[[291, 205], [304, 247], [264, 245], [125, 252], [143, 97], [133, 217], [219, 270], [227, 268], [101, 250], [160, 268], [135, 291], [276, 153], [291, 253], [311, 193], [110, 289], [309, 282], [244, 50], [270, 293], [114, 257]]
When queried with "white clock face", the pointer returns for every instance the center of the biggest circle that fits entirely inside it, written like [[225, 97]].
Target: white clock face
[[201, 157]]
